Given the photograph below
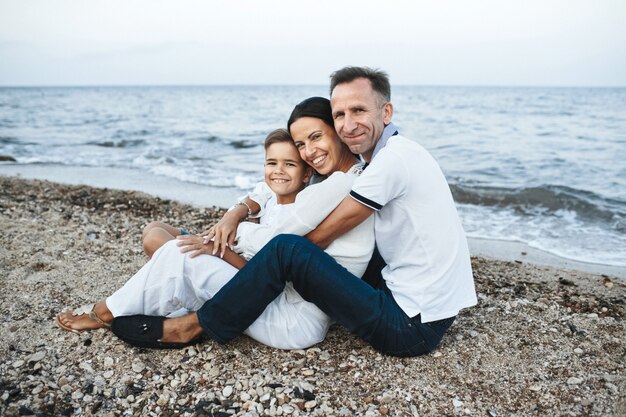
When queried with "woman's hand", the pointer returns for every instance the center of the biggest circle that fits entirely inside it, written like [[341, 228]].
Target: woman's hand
[[225, 231], [198, 244]]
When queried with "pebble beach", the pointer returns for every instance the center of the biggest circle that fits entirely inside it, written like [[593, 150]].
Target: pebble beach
[[541, 341]]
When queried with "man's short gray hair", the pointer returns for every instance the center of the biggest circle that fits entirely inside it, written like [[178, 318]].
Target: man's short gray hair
[[379, 79]]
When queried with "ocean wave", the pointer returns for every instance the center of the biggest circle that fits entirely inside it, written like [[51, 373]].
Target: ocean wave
[[554, 200], [124, 143], [10, 140], [243, 144]]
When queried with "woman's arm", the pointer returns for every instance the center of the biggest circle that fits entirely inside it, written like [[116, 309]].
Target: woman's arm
[[195, 244], [312, 205]]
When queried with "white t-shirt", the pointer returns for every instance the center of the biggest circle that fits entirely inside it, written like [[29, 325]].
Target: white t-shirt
[[418, 231]]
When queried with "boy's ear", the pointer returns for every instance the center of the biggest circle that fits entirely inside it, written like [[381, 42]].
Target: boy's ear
[[307, 175]]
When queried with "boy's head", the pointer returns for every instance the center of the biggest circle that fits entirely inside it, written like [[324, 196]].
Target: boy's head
[[285, 172]]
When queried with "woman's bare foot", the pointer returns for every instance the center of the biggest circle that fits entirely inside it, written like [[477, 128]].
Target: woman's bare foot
[[88, 317], [181, 329]]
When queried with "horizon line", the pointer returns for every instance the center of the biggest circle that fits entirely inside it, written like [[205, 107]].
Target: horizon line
[[131, 85]]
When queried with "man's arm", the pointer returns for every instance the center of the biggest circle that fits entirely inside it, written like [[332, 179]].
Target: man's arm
[[345, 217]]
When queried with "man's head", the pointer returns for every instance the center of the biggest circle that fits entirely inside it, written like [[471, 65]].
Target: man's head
[[360, 99]]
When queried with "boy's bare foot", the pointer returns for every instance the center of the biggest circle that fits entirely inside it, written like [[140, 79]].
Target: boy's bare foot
[[89, 317], [182, 329]]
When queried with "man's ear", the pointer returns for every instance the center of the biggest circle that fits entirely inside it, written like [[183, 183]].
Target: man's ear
[[387, 113]]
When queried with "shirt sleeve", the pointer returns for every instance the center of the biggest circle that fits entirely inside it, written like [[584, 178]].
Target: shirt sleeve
[[261, 194], [385, 179], [312, 205]]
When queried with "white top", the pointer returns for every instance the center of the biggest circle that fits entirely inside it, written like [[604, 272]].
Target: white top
[[353, 250], [418, 231]]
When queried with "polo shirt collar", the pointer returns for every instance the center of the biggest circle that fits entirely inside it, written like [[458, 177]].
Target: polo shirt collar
[[389, 131]]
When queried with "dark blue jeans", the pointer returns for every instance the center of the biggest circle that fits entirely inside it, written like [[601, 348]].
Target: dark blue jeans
[[371, 313]]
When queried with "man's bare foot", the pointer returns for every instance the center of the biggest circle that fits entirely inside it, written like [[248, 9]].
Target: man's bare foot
[[88, 317], [181, 329]]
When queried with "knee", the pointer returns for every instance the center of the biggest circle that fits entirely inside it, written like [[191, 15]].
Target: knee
[[288, 241], [154, 239], [149, 228]]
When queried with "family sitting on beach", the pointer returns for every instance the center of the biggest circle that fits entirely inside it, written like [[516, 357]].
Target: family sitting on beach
[[373, 243]]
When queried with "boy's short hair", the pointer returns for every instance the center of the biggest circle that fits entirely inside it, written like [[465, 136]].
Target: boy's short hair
[[278, 136], [378, 79]]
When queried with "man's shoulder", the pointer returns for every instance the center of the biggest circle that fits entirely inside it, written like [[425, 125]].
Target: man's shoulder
[[401, 146]]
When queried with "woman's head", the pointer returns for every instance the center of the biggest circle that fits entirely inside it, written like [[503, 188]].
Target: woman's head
[[313, 132], [285, 172]]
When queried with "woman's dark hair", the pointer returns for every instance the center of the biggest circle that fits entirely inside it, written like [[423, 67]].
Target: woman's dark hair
[[318, 107]]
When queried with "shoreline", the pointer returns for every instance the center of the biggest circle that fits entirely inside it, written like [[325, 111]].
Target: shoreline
[[541, 341], [200, 196]]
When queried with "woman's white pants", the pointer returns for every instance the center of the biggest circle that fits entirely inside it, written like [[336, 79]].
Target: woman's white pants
[[172, 281]]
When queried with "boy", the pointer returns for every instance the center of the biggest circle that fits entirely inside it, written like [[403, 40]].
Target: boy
[[286, 174]]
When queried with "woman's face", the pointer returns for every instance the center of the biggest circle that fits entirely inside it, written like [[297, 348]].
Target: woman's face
[[318, 144]]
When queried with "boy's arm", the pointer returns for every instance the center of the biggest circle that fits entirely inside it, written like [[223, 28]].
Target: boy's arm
[[345, 217]]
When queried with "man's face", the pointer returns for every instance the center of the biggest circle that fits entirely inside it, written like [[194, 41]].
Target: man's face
[[360, 115]]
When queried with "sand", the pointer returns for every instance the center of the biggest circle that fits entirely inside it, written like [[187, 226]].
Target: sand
[[541, 341]]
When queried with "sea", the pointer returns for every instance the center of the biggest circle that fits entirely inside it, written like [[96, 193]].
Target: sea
[[545, 167]]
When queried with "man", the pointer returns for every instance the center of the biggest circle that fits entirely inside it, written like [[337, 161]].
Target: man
[[427, 279]]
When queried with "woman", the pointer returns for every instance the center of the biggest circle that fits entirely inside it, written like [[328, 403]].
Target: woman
[[171, 280]]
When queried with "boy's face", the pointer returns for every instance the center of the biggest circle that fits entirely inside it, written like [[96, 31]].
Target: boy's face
[[285, 173]]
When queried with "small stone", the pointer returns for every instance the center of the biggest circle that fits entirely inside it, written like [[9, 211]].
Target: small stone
[[437, 354], [578, 351], [586, 401], [386, 399], [138, 366], [324, 356], [36, 357], [18, 363], [77, 395], [108, 374], [535, 388], [612, 388], [474, 333], [227, 391], [308, 372], [574, 381], [457, 403], [310, 404], [287, 409], [163, 400], [37, 390], [108, 362], [87, 367]]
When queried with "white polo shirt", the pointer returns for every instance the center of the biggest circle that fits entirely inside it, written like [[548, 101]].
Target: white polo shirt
[[418, 230]]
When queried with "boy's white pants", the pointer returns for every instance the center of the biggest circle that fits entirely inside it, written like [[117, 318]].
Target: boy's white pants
[[171, 281]]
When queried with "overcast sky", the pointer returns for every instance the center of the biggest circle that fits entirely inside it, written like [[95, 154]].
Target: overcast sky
[[435, 42]]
